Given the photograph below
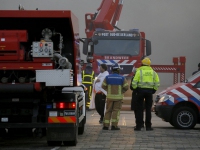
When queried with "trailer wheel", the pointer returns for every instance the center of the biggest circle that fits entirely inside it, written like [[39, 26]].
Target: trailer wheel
[[54, 143], [184, 118]]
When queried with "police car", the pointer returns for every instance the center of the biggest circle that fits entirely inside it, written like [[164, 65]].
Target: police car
[[180, 104]]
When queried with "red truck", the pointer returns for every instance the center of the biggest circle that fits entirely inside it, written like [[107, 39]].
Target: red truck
[[180, 104], [106, 43], [39, 75]]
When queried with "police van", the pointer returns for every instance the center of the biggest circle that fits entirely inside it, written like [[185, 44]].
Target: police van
[[180, 104]]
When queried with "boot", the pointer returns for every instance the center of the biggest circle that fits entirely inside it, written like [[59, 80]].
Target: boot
[[105, 128], [137, 129], [149, 128], [115, 128], [141, 127], [101, 120]]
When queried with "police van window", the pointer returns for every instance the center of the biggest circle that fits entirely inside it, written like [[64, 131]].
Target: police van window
[[117, 47], [197, 85]]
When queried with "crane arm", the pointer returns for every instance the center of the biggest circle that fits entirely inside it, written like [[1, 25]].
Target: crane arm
[[106, 16], [117, 14]]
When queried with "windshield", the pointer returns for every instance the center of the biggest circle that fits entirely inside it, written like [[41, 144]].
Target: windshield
[[193, 77], [117, 47]]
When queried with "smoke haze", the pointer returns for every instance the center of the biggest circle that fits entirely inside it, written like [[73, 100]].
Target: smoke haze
[[172, 26]]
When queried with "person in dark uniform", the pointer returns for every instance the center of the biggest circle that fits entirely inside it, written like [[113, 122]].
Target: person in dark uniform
[[88, 77], [134, 95], [134, 99]]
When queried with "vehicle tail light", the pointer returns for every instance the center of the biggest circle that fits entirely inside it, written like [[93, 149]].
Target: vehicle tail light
[[64, 105], [164, 103]]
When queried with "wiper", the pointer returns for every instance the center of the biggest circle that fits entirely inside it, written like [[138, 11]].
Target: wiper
[[114, 54], [122, 54], [104, 54]]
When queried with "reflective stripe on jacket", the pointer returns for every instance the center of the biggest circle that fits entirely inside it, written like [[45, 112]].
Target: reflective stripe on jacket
[[146, 77], [115, 85], [87, 78]]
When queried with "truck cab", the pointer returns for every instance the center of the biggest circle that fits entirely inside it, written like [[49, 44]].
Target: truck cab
[[180, 104], [123, 47]]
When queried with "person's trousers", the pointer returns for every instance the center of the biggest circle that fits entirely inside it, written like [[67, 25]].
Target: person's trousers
[[134, 101], [112, 112], [148, 104], [88, 96], [100, 100], [89, 91], [136, 113], [134, 105]]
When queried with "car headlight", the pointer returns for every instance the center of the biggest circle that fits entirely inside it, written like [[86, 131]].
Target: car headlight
[[157, 98], [164, 98]]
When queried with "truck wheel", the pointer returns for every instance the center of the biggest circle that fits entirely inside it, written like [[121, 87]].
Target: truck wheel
[[81, 129], [2, 133], [184, 118], [54, 143]]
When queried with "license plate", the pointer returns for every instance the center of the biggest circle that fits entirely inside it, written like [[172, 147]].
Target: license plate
[[69, 113], [4, 119], [46, 64], [53, 113]]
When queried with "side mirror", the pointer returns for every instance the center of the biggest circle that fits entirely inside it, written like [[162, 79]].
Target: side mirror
[[85, 47], [81, 62], [95, 40], [90, 59], [148, 47], [90, 47], [142, 57]]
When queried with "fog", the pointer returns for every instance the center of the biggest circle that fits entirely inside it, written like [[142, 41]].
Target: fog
[[172, 26]]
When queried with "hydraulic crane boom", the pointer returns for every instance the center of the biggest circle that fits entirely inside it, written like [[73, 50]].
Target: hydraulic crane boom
[[106, 17]]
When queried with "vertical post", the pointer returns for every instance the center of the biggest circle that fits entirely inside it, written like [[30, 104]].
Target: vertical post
[[182, 61], [175, 61]]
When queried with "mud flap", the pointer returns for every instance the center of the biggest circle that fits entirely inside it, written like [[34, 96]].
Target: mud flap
[[61, 134]]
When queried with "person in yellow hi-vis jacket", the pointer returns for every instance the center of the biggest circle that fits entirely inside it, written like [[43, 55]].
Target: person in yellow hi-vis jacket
[[115, 85], [88, 77], [145, 83]]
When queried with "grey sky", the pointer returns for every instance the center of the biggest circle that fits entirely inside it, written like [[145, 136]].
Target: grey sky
[[171, 25]]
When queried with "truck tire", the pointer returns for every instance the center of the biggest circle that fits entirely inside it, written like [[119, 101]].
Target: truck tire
[[2, 133], [54, 143], [82, 127], [184, 118]]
